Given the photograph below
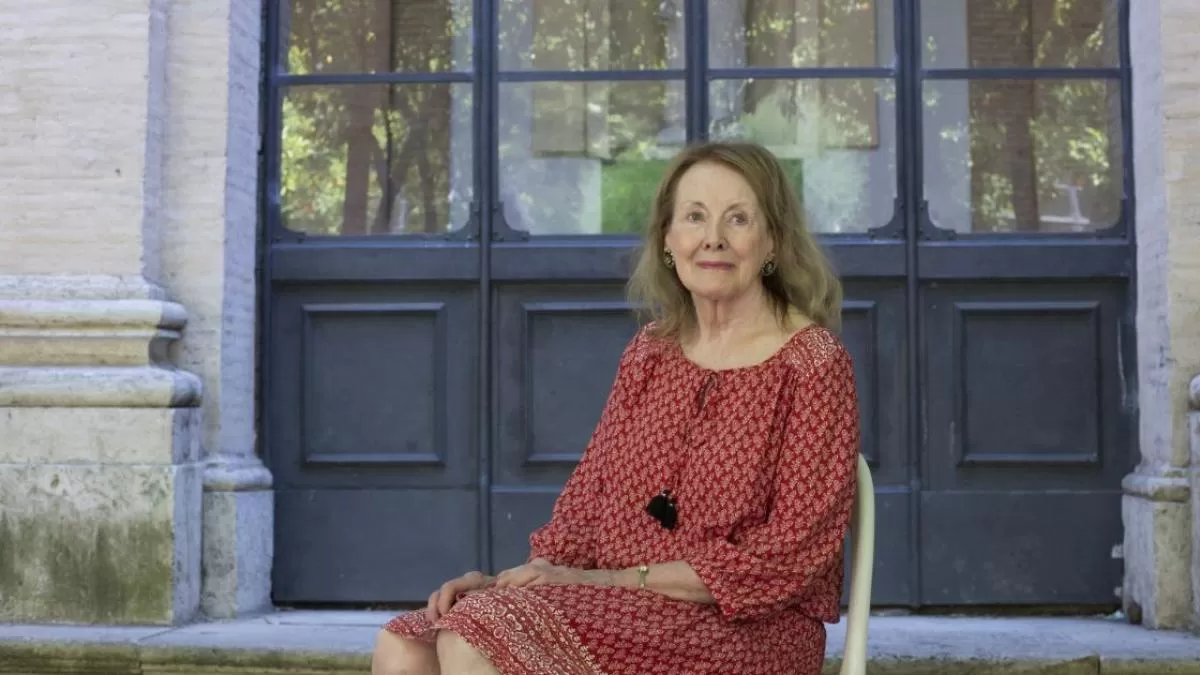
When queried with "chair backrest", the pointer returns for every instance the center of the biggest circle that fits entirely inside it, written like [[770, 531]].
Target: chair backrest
[[862, 529]]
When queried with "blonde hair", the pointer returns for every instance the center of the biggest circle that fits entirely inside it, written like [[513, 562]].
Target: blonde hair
[[803, 277]]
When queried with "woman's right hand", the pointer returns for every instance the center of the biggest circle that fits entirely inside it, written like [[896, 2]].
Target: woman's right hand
[[444, 598]]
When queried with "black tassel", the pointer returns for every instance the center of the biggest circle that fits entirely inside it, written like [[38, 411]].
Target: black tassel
[[662, 508]]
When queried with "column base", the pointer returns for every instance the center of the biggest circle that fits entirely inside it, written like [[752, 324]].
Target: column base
[[100, 474], [86, 539], [239, 535], [1157, 590], [1194, 441]]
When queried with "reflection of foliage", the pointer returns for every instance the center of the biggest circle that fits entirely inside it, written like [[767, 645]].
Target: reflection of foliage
[[800, 122], [1044, 33], [1032, 143], [373, 158], [588, 35], [628, 192], [364, 36], [379, 158], [1027, 146], [628, 188]]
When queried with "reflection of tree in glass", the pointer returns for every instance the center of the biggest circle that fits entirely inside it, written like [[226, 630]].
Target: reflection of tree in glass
[[1042, 33], [348, 173], [1034, 144], [797, 33], [591, 34], [380, 155], [366, 36], [828, 135]]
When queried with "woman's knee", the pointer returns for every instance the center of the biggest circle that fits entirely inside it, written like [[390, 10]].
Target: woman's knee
[[394, 655], [460, 657]]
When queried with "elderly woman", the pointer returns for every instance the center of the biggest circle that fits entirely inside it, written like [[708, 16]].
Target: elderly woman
[[702, 530]]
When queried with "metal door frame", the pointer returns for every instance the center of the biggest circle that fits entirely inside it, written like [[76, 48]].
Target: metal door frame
[[886, 252]]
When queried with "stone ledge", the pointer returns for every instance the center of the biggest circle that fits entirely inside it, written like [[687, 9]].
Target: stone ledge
[[333, 643], [131, 313], [99, 387], [71, 332], [78, 287], [1173, 488]]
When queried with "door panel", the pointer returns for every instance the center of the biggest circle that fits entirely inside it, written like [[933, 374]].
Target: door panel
[[374, 387], [1027, 547], [556, 356], [374, 545], [557, 350], [1025, 442], [373, 428]]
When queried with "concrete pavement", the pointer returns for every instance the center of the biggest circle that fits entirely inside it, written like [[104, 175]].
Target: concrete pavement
[[340, 641]]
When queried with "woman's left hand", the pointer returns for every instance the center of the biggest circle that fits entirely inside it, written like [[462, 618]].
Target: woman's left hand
[[540, 572]]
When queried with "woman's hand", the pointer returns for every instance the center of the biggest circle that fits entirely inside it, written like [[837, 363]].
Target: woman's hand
[[540, 572], [444, 598]]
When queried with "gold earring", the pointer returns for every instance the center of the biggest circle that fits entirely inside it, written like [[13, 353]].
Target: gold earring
[[768, 268], [669, 258]]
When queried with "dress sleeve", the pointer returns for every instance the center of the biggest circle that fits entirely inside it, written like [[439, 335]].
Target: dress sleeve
[[569, 538], [780, 562]]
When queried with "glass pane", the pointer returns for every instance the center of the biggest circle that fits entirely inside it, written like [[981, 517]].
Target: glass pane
[[1027, 34], [591, 34], [800, 33], [586, 157], [375, 36], [1023, 155], [836, 137], [376, 159]]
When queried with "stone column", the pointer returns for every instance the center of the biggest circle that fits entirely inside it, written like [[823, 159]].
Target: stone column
[[100, 485], [1160, 536], [1194, 427], [209, 251]]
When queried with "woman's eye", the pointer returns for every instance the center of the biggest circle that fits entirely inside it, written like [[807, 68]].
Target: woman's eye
[[741, 219], [694, 217]]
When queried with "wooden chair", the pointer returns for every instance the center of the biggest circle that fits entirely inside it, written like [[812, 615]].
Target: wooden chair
[[862, 528]]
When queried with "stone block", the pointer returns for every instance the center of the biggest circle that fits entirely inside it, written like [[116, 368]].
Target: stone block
[[99, 543], [82, 99], [99, 435], [1157, 587], [239, 537]]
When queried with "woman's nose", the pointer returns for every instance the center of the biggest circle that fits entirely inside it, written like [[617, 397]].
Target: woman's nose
[[713, 238]]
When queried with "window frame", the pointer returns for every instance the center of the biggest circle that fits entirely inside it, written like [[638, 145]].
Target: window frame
[[906, 71]]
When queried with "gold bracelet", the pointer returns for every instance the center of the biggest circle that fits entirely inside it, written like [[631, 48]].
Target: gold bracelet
[[642, 571]]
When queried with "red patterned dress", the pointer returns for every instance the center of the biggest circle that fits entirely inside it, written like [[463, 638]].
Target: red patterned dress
[[762, 462]]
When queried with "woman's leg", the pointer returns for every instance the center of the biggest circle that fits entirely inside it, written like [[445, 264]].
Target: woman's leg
[[458, 656], [395, 655]]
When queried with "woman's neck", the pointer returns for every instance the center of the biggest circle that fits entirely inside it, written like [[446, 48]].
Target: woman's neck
[[733, 321]]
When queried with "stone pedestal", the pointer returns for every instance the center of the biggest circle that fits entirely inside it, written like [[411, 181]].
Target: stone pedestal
[[1162, 587], [1194, 434], [100, 481], [1158, 543]]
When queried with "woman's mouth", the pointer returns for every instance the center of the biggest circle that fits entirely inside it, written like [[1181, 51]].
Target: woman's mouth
[[708, 265]]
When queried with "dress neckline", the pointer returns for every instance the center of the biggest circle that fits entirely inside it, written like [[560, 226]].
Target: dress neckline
[[775, 356]]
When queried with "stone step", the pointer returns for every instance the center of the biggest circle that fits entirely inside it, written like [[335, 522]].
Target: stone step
[[336, 643]]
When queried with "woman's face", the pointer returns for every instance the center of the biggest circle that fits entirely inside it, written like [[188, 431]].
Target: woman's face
[[717, 234]]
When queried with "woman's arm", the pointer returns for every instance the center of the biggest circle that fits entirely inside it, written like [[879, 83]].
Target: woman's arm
[[772, 565], [798, 549], [675, 580]]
